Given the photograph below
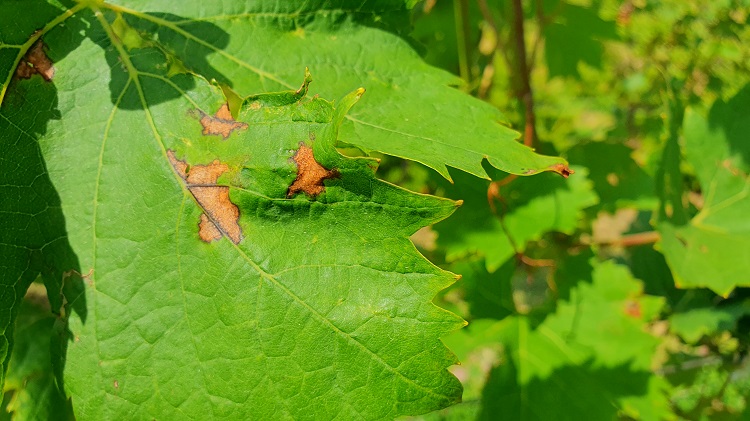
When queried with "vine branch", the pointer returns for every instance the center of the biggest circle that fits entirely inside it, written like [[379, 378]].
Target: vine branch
[[524, 93], [630, 240]]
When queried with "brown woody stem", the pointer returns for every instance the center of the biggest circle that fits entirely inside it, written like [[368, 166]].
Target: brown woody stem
[[525, 94], [631, 240]]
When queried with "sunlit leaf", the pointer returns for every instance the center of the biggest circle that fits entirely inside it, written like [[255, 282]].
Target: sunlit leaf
[[590, 359], [712, 249], [234, 263], [529, 207]]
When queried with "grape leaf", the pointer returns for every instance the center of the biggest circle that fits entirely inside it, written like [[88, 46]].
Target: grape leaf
[[488, 295], [212, 287], [575, 36], [31, 384], [711, 250], [618, 180], [590, 359], [412, 111], [530, 207], [693, 324]]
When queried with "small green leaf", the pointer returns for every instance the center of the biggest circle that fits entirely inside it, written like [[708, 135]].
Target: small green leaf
[[590, 359], [530, 207], [695, 323], [31, 384], [618, 180], [712, 249], [575, 36]]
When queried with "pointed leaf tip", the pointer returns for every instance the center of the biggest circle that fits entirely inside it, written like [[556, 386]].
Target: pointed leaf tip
[[563, 169], [305, 83]]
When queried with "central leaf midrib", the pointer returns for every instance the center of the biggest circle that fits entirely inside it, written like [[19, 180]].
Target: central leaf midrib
[[133, 76]]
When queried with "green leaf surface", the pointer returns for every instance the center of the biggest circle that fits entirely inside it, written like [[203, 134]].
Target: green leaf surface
[[618, 180], [412, 111], [712, 249], [31, 385], [588, 360], [695, 323], [575, 36], [530, 207], [488, 295], [32, 235], [281, 304], [670, 184]]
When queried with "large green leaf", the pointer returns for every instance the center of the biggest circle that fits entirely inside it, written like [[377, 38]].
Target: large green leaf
[[237, 269], [712, 249]]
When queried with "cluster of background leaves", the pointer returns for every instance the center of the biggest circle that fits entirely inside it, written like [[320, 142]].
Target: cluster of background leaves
[[618, 293]]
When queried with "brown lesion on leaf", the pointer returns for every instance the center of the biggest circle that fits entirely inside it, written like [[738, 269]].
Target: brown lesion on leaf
[[207, 230], [633, 309], [222, 123], [220, 215], [562, 169], [727, 164], [310, 174], [35, 62]]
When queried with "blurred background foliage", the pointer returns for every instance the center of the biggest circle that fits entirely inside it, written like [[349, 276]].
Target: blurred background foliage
[[607, 295]]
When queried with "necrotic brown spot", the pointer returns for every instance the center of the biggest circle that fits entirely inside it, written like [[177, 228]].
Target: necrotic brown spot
[[310, 174], [35, 62], [562, 169], [207, 230], [222, 123], [220, 215]]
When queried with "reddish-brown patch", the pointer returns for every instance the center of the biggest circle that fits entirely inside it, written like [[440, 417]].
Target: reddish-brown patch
[[562, 169], [35, 62], [222, 123], [310, 174], [633, 309], [732, 169], [207, 230], [220, 215], [625, 12]]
